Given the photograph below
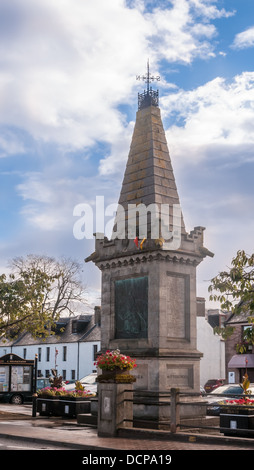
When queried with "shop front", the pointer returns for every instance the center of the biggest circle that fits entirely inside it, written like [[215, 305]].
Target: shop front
[[240, 363]]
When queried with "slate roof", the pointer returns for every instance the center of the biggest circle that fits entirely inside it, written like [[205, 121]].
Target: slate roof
[[86, 330], [240, 318]]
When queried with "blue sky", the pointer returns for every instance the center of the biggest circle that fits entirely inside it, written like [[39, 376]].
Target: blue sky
[[68, 100]]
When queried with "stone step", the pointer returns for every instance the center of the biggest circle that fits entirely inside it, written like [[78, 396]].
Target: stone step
[[87, 419]]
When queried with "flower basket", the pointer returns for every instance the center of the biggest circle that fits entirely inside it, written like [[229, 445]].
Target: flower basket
[[115, 367], [116, 376]]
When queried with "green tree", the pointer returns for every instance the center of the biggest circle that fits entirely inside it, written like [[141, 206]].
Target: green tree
[[37, 292], [234, 289]]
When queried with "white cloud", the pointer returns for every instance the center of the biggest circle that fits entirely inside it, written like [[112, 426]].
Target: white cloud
[[67, 65], [49, 200], [244, 39], [10, 144], [65, 68], [218, 120], [209, 10], [179, 35]]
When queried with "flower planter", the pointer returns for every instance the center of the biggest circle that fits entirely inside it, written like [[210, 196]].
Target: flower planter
[[114, 366], [68, 407], [111, 376], [48, 406], [72, 406], [116, 376], [237, 420]]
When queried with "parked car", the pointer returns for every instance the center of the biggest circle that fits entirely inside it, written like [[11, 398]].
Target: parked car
[[42, 382], [212, 384], [221, 394], [88, 382], [17, 398]]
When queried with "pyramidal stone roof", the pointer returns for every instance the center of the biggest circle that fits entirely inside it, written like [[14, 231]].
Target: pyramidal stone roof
[[149, 177], [149, 181]]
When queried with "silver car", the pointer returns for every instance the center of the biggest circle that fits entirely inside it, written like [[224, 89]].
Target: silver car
[[88, 382], [222, 394]]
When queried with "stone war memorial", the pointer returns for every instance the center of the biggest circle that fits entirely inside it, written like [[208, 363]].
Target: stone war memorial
[[148, 298]]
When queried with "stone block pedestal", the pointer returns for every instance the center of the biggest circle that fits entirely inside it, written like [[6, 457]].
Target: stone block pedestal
[[113, 409]]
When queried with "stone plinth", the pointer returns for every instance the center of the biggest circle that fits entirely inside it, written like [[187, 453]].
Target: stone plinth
[[113, 409]]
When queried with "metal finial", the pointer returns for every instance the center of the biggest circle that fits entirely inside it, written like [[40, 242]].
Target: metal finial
[[148, 78], [149, 97]]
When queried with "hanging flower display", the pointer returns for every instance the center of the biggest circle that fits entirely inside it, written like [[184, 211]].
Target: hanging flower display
[[112, 360]]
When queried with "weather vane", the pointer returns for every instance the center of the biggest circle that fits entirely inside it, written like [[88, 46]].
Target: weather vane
[[148, 78], [149, 97]]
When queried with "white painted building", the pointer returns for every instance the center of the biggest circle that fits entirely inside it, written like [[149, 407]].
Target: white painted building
[[212, 364], [212, 346], [71, 350]]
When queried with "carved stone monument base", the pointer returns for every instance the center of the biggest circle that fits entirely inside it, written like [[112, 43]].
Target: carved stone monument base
[[155, 376]]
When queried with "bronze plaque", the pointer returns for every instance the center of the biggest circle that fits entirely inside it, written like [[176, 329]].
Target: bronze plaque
[[131, 307]]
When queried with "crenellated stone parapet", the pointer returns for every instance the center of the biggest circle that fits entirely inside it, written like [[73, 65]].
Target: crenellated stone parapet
[[125, 252]]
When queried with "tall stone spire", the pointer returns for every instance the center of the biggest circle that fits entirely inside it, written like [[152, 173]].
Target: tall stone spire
[[149, 177]]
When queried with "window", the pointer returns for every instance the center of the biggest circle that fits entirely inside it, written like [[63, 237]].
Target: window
[[64, 374], [48, 354], [247, 337], [74, 326], [64, 353], [46, 373], [39, 354], [24, 353], [73, 375], [95, 349]]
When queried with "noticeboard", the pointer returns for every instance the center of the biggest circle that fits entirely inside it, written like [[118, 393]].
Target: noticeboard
[[4, 378], [16, 374]]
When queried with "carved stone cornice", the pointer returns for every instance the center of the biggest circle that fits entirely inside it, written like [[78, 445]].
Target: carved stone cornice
[[147, 257]]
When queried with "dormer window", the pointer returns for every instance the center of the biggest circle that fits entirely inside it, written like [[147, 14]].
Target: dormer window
[[74, 326]]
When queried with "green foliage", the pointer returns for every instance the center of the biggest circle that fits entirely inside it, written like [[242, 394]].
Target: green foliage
[[245, 385], [56, 382], [225, 333], [235, 287], [35, 294], [49, 392], [78, 386], [21, 302]]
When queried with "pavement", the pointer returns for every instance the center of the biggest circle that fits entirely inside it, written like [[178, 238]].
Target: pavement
[[16, 421]]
